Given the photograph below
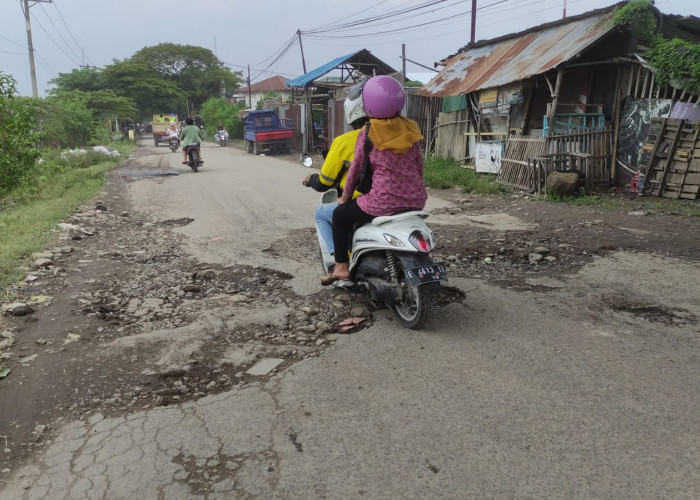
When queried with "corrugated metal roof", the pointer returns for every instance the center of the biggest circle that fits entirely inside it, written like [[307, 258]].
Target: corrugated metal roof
[[362, 61], [309, 77], [511, 59]]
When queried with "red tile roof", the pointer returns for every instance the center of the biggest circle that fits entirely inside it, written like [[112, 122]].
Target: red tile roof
[[272, 84]]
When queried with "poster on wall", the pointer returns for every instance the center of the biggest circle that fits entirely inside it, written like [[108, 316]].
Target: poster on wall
[[634, 126], [488, 156]]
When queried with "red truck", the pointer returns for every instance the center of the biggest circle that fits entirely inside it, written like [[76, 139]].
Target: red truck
[[265, 131]]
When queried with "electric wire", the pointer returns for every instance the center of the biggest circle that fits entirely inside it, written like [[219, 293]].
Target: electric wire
[[376, 18], [58, 32], [257, 70], [71, 33], [356, 13], [277, 59], [398, 19], [410, 8], [13, 42], [56, 43], [452, 18]]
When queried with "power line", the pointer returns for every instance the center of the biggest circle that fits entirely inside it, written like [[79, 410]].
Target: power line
[[374, 19], [58, 32], [279, 56], [13, 42], [313, 34], [70, 32], [55, 42], [44, 64]]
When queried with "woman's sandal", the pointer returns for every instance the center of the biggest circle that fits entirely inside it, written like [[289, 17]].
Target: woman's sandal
[[331, 278]]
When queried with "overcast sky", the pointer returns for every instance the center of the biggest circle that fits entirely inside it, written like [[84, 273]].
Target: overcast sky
[[262, 34]]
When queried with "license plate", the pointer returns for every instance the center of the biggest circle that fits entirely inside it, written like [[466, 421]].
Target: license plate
[[426, 274]]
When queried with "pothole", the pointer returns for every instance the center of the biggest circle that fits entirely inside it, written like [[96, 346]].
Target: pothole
[[652, 312], [135, 174], [175, 222], [446, 295]]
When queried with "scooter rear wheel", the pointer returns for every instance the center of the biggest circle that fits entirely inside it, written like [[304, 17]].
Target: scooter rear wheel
[[412, 310], [194, 159]]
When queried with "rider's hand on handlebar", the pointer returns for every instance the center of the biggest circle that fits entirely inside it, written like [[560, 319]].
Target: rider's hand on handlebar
[[306, 180]]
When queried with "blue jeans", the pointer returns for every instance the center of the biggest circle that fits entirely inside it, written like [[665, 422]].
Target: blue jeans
[[324, 221]]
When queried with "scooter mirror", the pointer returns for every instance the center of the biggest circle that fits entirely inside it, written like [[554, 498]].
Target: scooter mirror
[[306, 160]]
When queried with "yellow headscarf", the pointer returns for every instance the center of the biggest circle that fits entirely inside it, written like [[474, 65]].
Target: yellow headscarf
[[397, 134]]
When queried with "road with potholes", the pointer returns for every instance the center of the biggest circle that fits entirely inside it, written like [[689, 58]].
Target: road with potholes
[[571, 374]]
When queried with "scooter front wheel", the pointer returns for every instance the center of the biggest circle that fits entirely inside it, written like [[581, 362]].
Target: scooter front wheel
[[412, 309]]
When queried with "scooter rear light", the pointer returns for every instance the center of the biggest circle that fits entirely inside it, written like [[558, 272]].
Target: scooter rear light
[[420, 241]]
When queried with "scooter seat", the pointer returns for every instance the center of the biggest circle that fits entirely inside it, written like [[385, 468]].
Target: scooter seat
[[378, 221]]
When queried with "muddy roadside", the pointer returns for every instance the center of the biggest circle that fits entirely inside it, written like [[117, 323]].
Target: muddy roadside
[[124, 320]]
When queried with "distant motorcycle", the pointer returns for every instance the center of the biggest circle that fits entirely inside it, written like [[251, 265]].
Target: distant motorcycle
[[221, 137], [173, 142], [193, 157]]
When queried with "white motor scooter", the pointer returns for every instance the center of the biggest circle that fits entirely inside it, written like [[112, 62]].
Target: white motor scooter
[[390, 262]]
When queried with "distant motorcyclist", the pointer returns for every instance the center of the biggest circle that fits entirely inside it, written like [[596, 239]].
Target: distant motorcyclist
[[221, 132], [191, 134], [173, 132], [338, 160]]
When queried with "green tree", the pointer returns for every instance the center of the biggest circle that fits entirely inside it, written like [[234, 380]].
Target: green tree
[[217, 110], [150, 91], [196, 71], [76, 118], [18, 153], [85, 79]]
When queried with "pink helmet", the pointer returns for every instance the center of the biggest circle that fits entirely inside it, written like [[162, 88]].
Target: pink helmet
[[383, 97]]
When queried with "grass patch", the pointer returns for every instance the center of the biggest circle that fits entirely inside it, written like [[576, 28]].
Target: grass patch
[[654, 205], [29, 214], [443, 173]]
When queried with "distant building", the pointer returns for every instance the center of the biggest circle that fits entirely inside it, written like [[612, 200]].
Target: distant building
[[249, 97]]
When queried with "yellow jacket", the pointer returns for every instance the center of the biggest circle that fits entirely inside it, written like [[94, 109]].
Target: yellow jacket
[[342, 150]]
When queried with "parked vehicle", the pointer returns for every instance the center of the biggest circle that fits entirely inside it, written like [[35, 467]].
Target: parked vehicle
[[264, 131], [161, 124], [193, 158], [390, 262]]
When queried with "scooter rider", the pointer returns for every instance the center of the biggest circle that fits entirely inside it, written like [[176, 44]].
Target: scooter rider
[[335, 167], [396, 164], [173, 132], [191, 134], [221, 132]]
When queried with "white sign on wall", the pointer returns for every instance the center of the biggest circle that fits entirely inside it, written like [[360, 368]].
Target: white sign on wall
[[488, 156]]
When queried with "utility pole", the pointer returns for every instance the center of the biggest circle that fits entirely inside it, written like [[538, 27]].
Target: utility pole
[[250, 92], [473, 20], [30, 46], [403, 62], [564, 14], [86, 66], [303, 61]]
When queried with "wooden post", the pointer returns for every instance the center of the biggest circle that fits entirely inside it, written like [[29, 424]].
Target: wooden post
[[616, 128], [555, 99]]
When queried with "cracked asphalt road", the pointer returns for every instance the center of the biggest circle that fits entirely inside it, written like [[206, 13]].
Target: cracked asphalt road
[[550, 390]]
